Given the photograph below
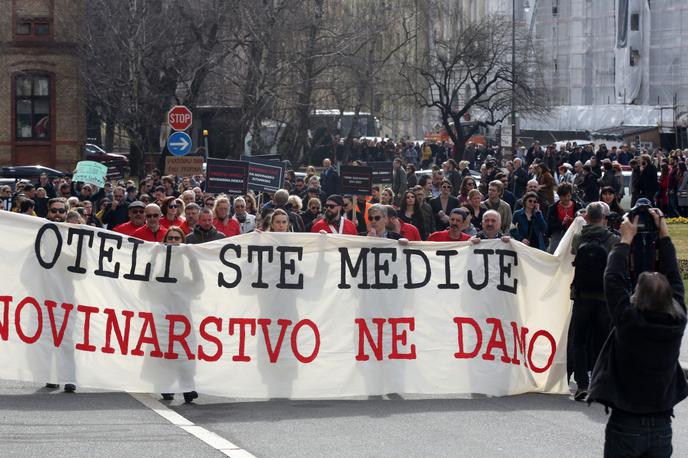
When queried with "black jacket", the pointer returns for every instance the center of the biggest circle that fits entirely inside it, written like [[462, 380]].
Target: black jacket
[[638, 369], [436, 205], [553, 223], [115, 217], [200, 236], [518, 181]]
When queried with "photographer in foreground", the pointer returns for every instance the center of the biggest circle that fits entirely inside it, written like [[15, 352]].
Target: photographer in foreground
[[637, 374]]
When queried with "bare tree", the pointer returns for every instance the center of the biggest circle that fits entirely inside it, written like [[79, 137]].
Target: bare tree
[[380, 34], [142, 57], [472, 73]]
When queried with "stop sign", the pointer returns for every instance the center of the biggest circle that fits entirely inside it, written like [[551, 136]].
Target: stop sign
[[179, 118]]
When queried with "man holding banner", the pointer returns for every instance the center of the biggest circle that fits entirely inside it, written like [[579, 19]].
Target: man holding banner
[[152, 231]]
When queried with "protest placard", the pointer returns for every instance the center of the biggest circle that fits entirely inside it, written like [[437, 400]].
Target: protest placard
[[265, 175], [90, 172], [382, 172], [226, 176], [185, 166], [356, 180]]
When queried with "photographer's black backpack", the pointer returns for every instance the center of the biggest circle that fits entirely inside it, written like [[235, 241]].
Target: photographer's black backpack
[[590, 262]]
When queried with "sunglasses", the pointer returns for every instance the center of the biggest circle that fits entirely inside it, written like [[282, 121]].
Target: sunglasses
[[173, 206], [331, 205], [531, 201], [58, 210], [174, 238], [153, 215], [376, 218], [446, 187], [137, 211]]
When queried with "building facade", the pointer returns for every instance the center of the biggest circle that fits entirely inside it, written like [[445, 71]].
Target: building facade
[[42, 101]]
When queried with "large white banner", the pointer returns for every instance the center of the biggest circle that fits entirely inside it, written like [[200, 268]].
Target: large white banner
[[280, 315]]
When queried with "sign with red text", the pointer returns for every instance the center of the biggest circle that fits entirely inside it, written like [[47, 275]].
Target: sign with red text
[[281, 314], [179, 118], [265, 176], [226, 176]]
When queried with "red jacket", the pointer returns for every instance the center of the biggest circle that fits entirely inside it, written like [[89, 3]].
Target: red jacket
[[164, 222], [322, 225], [409, 231], [185, 228], [126, 228], [144, 233], [231, 229], [443, 236]]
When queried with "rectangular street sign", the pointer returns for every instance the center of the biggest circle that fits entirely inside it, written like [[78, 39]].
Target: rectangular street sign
[[356, 180], [228, 176]]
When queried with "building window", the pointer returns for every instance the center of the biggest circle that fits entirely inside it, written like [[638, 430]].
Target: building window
[[555, 8], [635, 57], [32, 99], [635, 22], [32, 29]]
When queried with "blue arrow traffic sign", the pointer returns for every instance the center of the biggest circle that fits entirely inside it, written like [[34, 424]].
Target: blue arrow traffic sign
[[179, 143]]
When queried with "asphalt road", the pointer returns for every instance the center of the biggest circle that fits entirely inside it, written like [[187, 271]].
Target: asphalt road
[[39, 422]]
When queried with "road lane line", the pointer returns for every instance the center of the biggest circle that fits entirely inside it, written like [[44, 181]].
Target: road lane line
[[215, 441]]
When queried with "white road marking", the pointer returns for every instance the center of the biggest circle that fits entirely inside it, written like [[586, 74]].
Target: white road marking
[[217, 442]]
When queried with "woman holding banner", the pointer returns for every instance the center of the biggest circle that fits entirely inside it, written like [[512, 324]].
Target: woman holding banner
[[175, 236], [279, 221]]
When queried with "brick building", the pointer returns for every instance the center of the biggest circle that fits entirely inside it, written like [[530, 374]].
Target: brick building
[[42, 101]]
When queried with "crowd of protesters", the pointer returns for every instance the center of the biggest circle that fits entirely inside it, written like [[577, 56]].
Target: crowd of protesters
[[533, 197], [537, 194]]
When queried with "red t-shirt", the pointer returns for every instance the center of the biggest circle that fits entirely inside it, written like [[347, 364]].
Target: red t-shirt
[[409, 232], [443, 236], [126, 228], [322, 225], [231, 229], [563, 212], [144, 233]]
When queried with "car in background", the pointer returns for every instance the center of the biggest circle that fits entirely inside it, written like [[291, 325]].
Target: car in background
[[117, 164], [97, 154], [26, 173], [30, 172]]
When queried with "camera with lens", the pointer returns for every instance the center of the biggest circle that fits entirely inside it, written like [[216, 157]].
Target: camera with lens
[[646, 224], [644, 246]]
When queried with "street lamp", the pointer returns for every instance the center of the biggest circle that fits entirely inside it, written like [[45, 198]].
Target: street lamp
[[526, 7]]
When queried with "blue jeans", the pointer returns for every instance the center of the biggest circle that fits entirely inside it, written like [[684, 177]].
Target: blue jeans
[[629, 435]]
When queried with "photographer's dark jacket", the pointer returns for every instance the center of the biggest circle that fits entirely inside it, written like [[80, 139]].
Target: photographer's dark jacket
[[638, 369], [588, 233]]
